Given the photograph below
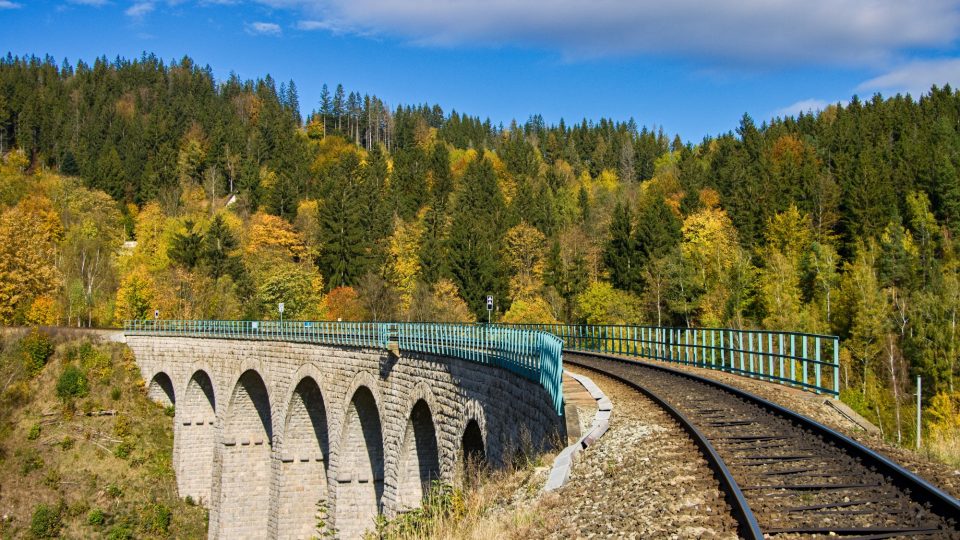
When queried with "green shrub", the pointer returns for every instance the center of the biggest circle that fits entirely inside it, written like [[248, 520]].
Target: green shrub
[[34, 432], [45, 522], [30, 461], [123, 450], [96, 517], [160, 518], [115, 393], [85, 351], [37, 349], [114, 491], [78, 509], [120, 532], [67, 443], [52, 479], [72, 383], [95, 361], [121, 426]]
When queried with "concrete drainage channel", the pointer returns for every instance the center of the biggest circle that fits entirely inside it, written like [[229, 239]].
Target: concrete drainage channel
[[560, 472]]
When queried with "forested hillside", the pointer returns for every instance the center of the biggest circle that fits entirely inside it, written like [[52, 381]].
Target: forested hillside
[[836, 222]]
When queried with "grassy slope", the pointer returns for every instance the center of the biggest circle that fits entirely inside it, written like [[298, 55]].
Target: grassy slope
[[77, 464]]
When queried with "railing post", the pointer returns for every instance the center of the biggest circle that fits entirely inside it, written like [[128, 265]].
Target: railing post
[[742, 353], [805, 356], [816, 366]]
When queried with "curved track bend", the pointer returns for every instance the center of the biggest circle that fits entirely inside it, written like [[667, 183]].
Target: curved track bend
[[786, 475]]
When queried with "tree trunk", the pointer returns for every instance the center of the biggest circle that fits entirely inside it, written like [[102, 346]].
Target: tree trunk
[[891, 359]]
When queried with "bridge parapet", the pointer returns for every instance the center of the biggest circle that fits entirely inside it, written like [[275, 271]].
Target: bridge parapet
[[808, 361], [531, 353]]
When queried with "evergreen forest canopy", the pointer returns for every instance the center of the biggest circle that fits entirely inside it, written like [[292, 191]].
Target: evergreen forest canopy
[[836, 222]]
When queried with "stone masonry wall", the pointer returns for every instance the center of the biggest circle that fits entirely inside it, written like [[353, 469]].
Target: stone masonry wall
[[262, 451]]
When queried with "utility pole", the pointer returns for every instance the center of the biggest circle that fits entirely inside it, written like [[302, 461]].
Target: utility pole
[[919, 427]]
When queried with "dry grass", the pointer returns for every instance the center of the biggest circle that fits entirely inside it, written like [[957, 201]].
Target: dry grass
[[94, 476], [501, 504], [944, 445]]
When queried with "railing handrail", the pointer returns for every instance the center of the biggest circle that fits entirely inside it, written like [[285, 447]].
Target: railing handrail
[[702, 328], [784, 357], [533, 354]]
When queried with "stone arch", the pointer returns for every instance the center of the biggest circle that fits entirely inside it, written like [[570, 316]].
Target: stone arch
[[194, 444], [161, 390], [419, 458], [246, 459], [304, 456], [472, 455], [472, 444], [360, 466]]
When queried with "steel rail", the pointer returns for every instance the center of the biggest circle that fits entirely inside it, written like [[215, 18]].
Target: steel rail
[[748, 526], [920, 490]]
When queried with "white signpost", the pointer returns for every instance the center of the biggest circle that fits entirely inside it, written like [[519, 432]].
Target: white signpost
[[489, 307], [280, 309]]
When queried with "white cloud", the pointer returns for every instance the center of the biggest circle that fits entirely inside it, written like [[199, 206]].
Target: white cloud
[[264, 29], [916, 77], [314, 25], [334, 27], [7, 4], [737, 31], [802, 106], [94, 3], [139, 10]]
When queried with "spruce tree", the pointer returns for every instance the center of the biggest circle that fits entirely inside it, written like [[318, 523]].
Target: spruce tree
[[433, 264], [620, 254], [344, 256], [658, 230], [408, 184], [476, 232], [110, 176], [68, 165], [218, 246], [326, 106], [439, 169], [185, 248]]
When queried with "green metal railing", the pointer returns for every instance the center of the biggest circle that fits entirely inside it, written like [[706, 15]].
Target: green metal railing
[[808, 361], [530, 353]]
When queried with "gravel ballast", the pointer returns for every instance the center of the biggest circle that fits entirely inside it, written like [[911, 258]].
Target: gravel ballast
[[644, 478]]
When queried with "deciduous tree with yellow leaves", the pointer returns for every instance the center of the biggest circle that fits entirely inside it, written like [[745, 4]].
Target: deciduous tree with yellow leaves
[[29, 236]]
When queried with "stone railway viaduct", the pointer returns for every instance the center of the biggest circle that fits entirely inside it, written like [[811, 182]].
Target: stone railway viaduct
[[269, 432]]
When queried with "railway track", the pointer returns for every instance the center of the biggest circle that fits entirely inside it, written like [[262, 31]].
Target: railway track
[[787, 476]]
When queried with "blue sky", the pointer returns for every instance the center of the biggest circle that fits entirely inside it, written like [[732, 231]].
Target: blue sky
[[690, 66]]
